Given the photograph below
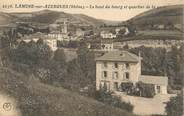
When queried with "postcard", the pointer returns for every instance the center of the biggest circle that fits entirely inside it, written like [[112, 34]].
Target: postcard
[[91, 57]]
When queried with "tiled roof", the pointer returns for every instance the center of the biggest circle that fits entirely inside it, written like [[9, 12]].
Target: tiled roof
[[122, 56], [157, 80]]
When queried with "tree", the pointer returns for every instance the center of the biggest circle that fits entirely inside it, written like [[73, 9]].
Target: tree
[[86, 60], [31, 54], [75, 78], [158, 61], [59, 57], [40, 42], [175, 106], [175, 62], [146, 90], [153, 62]]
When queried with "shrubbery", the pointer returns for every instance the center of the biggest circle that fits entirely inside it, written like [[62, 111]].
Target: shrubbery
[[159, 61], [140, 89], [126, 87], [175, 106], [146, 90], [107, 98]]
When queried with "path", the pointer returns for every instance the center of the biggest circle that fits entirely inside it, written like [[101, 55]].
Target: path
[[147, 106]]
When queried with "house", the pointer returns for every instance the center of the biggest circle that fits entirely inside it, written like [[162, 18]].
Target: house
[[52, 43], [58, 36], [80, 32], [119, 30], [117, 67], [63, 24], [83, 31], [107, 34], [160, 82], [107, 45]]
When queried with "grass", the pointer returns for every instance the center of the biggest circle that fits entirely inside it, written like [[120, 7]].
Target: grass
[[37, 99]]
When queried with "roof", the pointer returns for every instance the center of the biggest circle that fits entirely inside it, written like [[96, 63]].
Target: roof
[[120, 56], [157, 80]]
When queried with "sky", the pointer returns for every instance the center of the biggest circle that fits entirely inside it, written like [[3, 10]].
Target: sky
[[115, 14]]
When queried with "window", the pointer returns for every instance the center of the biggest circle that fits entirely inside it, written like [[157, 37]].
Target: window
[[127, 65], [127, 76], [104, 74], [115, 86], [105, 85], [101, 85], [105, 65], [115, 65], [115, 75]]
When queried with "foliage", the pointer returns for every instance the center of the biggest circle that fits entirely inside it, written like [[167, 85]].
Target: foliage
[[146, 90], [80, 72], [86, 60], [68, 44], [127, 86], [108, 98], [38, 99], [158, 61], [73, 44], [31, 54], [37, 58], [140, 89], [60, 57], [175, 106], [75, 78]]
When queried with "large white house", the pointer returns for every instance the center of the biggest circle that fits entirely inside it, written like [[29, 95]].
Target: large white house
[[107, 34], [51, 42], [117, 67]]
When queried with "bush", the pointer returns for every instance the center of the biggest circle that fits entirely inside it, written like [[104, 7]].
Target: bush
[[175, 106], [146, 90], [141, 89], [126, 87], [107, 98]]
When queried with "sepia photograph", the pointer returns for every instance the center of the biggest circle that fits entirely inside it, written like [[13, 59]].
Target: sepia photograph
[[91, 57]]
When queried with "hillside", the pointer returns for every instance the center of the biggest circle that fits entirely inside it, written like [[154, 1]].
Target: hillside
[[88, 20], [49, 17], [162, 15], [36, 99], [6, 18]]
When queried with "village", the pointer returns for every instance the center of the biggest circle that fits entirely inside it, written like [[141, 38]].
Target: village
[[118, 65]]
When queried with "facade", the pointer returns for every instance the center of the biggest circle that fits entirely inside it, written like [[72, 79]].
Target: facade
[[149, 43], [122, 28], [58, 36], [106, 34], [117, 67], [81, 32], [107, 45], [63, 24], [160, 82], [51, 42]]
